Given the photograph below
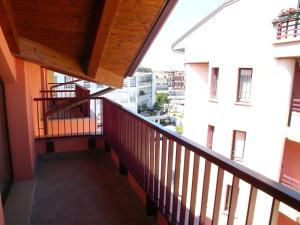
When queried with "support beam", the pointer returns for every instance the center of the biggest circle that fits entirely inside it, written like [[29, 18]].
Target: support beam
[[50, 58], [104, 28], [80, 101], [8, 25]]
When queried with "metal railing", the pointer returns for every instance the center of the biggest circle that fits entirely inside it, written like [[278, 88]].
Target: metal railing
[[296, 105], [61, 117], [288, 26], [187, 181], [59, 93]]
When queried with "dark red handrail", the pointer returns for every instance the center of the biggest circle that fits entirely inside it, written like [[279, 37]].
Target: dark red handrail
[[138, 141]]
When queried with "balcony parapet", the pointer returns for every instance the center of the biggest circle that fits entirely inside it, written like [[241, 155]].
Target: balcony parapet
[[287, 24], [159, 160]]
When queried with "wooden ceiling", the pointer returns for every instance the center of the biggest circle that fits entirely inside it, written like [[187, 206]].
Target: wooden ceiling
[[97, 40]]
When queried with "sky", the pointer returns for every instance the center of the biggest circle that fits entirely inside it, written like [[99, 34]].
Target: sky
[[184, 16]]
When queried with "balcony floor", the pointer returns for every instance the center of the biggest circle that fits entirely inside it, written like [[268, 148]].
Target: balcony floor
[[84, 189]]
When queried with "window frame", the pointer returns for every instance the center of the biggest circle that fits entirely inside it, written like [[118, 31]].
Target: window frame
[[210, 135], [227, 197], [238, 86], [214, 80], [233, 145]]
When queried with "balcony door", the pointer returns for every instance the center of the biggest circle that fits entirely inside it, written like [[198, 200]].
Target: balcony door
[[5, 162]]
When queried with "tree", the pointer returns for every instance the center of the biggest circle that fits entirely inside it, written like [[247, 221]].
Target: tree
[[144, 70], [162, 99], [179, 129]]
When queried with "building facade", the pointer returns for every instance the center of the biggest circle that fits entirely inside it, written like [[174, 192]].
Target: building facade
[[137, 91], [240, 70]]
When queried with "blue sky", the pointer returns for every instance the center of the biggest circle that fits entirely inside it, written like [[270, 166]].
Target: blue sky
[[185, 15]]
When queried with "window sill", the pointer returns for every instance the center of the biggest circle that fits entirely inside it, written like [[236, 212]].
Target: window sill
[[243, 103], [226, 213], [237, 160], [212, 99]]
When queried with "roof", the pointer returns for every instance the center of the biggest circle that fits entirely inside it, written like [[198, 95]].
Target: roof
[[97, 40], [200, 23]]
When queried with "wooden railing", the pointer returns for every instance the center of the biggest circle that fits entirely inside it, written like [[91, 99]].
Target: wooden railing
[[177, 174]]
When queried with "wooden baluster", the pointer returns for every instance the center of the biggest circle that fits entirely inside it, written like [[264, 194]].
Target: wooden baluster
[[251, 206], [194, 189], [163, 174], [157, 163], [218, 196], [152, 166], [184, 186], [233, 200], [205, 190], [274, 212], [169, 177], [147, 158], [139, 152], [176, 183], [143, 154]]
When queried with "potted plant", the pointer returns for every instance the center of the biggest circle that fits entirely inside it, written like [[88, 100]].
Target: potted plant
[[286, 14]]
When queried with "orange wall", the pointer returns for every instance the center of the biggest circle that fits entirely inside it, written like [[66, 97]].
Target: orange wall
[[284, 220], [66, 144], [290, 162], [20, 121], [7, 61]]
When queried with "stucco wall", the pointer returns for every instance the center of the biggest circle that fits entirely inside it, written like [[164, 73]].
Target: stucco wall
[[20, 121], [290, 162], [236, 38]]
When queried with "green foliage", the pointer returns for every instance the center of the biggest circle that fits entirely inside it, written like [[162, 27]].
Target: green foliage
[[144, 70], [162, 99], [179, 129], [142, 92]]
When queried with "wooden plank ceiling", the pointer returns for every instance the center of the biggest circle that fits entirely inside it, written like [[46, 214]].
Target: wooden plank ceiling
[[96, 40]]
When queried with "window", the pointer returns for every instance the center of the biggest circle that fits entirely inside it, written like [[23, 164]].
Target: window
[[214, 82], [133, 82], [244, 85], [238, 145], [227, 197], [210, 136], [69, 79], [86, 84]]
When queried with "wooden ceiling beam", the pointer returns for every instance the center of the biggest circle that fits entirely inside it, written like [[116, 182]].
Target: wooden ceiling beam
[[49, 58], [102, 35], [62, 63], [8, 25]]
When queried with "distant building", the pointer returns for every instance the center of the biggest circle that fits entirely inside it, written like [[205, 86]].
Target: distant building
[[137, 91], [162, 81]]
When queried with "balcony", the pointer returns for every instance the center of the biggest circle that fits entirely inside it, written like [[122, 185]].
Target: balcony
[[287, 34], [174, 178]]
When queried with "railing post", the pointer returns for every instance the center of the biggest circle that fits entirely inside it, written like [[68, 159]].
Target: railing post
[[107, 146], [122, 168], [151, 208]]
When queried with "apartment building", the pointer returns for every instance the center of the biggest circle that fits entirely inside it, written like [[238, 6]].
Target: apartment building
[[137, 91], [242, 84]]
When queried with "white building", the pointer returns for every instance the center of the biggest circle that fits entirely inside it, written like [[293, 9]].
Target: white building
[[137, 91], [239, 78]]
